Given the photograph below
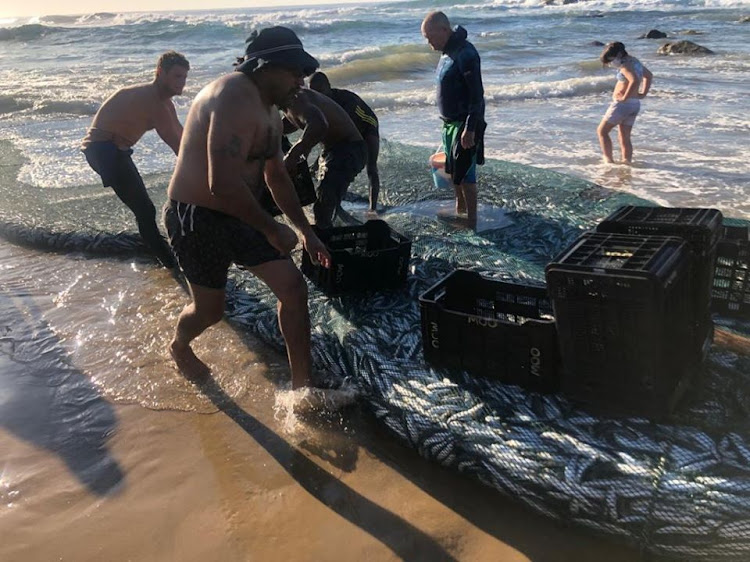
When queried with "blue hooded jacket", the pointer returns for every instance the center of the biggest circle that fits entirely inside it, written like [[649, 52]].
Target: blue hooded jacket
[[460, 94]]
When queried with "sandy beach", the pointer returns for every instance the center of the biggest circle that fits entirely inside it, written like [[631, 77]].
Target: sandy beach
[[85, 478]]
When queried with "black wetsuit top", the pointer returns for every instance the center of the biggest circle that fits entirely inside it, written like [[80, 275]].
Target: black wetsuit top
[[359, 112]]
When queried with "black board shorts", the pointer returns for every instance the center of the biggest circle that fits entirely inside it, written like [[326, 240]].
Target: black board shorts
[[206, 242], [339, 165]]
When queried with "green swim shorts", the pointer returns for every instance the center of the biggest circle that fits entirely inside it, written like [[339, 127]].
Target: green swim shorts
[[451, 135]]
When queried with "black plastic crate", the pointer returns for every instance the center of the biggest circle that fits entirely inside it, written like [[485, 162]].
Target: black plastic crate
[[363, 257], [624, 320], [731, 285], [700, 228], [499, 330]]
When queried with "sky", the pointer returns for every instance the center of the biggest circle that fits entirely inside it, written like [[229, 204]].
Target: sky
[[11, 8]]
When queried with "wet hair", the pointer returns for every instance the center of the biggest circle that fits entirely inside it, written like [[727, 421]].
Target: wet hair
[[612, 51], [319, 78], [170, 59]]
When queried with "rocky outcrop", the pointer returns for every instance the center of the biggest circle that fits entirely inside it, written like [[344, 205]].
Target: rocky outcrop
[[653, 34], [684, 48], [690, 32], [744, 19]]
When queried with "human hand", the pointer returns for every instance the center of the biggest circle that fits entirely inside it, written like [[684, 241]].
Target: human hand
[[467, 139], [282, 238], [317, 250]]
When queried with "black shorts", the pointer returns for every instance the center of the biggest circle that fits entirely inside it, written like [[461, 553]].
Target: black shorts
[[340, 164], [207, 242]]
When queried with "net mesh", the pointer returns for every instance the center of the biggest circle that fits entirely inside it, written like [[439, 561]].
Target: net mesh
[[680, 489]]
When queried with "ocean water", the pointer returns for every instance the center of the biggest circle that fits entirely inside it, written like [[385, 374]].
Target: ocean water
[[545, 90]]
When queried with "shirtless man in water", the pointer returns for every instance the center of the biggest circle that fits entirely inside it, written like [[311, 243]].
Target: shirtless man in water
[[344, 151], [232, 141], [120, 122]]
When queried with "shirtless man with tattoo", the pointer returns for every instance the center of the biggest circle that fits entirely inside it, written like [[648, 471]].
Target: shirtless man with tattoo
[[232, 140]]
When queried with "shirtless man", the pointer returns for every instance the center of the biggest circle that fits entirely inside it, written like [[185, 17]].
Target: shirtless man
[[364, 119], [344, 151], [120, 122], [232, 141]]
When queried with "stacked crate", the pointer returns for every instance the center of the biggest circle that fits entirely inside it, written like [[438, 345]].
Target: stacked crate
[[701, 229], [624, 316], [730, 295], [631, 312]]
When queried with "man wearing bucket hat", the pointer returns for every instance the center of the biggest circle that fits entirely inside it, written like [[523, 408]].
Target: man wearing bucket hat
[[231, 143]]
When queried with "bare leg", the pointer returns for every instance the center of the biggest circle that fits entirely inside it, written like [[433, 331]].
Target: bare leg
[[469, 191], [373, 149], [206, 310], [626, 146], [604, 141], [286, 282], [460, 199]]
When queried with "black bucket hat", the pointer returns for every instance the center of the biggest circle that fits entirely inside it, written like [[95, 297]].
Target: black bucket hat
[[277, 45]]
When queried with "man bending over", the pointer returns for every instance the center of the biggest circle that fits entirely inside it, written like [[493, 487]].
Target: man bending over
[[120, 122], [232, 142], [367, 124], [344, 152]]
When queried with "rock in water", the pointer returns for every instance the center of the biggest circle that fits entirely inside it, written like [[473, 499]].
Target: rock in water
[[654, 34], [684, 48]]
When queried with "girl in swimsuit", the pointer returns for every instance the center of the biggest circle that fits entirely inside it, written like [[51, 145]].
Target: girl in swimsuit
[[633, 83]]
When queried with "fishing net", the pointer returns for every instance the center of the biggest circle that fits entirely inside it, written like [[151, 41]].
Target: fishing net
[[680, 489]]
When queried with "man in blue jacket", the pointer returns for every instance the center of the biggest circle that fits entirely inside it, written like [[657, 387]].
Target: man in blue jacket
[[460, 99]]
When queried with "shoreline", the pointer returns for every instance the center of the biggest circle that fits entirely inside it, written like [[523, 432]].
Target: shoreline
[[85, 478]]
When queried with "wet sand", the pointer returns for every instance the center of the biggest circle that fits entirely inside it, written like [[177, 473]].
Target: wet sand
[[231, 486], [85, 478]]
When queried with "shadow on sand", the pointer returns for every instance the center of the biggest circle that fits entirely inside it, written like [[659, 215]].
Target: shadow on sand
[[401, 537], [49, 403]]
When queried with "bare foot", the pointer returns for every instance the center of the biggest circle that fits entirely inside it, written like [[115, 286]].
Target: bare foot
[[606, 160], [319, 399], [310, 399], [458, 221], [187, 362]]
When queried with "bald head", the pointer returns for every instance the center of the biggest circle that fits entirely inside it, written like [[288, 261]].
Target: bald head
[[436, 28], [436, 19]]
